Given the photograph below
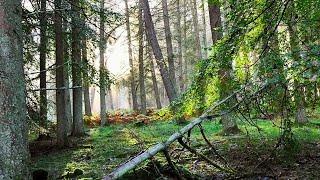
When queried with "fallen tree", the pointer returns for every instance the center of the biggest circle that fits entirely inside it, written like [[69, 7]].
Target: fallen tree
[[162, 146]]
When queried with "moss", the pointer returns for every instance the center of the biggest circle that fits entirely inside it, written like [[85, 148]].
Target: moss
[[109, 146]]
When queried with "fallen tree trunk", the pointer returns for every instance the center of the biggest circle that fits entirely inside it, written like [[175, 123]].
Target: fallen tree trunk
[[132, 163], [121, 170]]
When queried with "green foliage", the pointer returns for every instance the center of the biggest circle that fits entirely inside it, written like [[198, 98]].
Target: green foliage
[[257, 47]]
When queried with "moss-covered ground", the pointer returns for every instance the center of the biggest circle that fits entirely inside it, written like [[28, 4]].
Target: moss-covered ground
[[105, 148]]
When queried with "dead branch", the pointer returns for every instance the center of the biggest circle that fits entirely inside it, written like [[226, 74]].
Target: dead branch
[[213, 149], [203, 157], [171, 164]]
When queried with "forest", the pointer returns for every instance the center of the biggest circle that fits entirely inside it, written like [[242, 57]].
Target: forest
[[159, 89]]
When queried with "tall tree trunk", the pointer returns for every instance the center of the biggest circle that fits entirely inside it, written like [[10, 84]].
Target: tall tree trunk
[[93, 94], [168, 42], [179, 40], [103, 106], [14, 155], [43, 54], [62, 131], [129, 99], [86, 83], [68, 108], [151, 35], [299, 96], [143, 97], [215, 21], [78, 125], [196, 28], [204, 30], [67, 65], [154, 79], [185, 44], [228, 121], [133, 89], [110, 98]]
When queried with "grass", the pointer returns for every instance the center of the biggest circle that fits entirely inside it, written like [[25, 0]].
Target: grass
[[110, 146]]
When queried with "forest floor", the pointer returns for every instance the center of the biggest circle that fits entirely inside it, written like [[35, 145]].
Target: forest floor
[[251, 155]]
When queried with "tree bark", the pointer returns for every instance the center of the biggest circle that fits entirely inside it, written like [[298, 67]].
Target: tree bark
[[43, 72], [196, 28], [78, 125], [143, 97], [103, 106], [179, 40], [185, 28], [62, 131], [154, 78], [215, 21], [169, 42], [14, 155], [86, 84], [110, 98], [66, 51], [132, 81], [151, 35], [204, 30], [68, 102], [93, 94]]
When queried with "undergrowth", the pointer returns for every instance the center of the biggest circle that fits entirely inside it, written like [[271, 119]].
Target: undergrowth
[[110, 146]]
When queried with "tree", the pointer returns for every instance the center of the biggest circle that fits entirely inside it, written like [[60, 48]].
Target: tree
[[299, 96], [43, 54], [143, 97], [196, 28], [204, 29], [151, 35], [14, 155], [168, 42], [78, 125], [225, 69], [179, 40], [67, 65], [62, 123], [86, 83], [215, 21], [184, 37], [132, 80], [153, 77], [103, 108]]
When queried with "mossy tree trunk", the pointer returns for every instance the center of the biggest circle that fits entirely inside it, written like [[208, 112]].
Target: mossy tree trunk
[[14, 155], [102, 78], [225, 70]]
